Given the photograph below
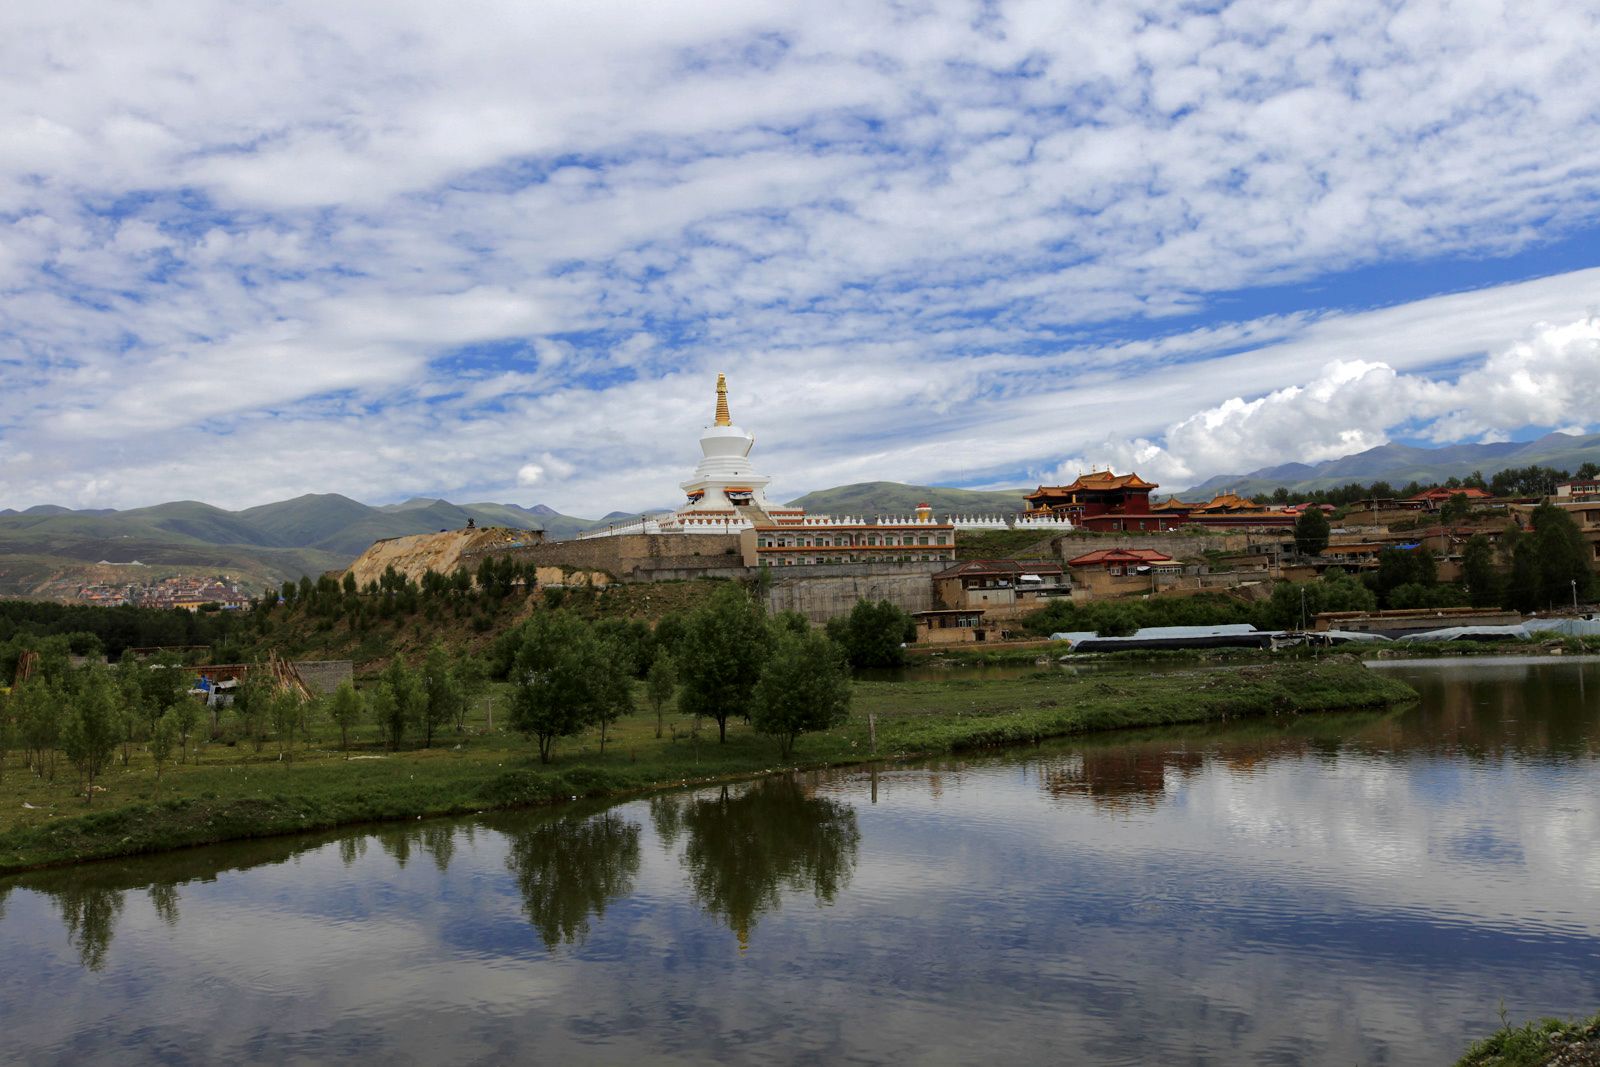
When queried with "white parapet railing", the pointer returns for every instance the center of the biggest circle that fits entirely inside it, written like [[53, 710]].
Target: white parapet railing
[[1027, 521], [908, 520], [642, 525], [978, 522]]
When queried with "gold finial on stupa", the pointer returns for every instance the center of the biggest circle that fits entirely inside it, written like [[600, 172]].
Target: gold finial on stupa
[[723, 418]]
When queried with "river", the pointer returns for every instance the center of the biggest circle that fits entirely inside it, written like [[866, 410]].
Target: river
[[1342, 889]]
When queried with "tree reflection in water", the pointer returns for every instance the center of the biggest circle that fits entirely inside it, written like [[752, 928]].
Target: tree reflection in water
[[89, 914], [570, 868], [164, 897], [436, 839], [742, 849]]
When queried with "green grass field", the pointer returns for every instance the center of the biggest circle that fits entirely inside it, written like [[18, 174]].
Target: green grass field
[[232, 791]]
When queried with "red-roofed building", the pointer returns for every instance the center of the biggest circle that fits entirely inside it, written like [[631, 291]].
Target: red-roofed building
[[1121, 561], [1437, 497], [1103, 501]]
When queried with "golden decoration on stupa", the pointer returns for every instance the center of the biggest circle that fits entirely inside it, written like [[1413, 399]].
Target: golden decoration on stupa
[[723, 418]]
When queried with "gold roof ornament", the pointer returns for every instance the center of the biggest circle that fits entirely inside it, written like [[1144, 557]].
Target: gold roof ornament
[[723, 418]]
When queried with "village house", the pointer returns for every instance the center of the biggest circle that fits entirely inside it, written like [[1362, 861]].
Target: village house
[[954, 626], [1123, 571], [1003, 587], [1579, 489], [1437, 497]]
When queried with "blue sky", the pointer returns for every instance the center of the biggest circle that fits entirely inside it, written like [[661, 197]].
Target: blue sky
[[500, 251]]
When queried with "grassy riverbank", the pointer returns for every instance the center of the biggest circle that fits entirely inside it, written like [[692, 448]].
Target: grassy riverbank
[[234, 792], [1546, 1043]]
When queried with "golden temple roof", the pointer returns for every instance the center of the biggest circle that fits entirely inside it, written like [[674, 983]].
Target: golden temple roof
[[1095, 480], [723, 418]]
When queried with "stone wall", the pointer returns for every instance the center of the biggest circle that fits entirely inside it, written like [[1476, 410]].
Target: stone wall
[[322, 676], [632, 557], [826, 591]]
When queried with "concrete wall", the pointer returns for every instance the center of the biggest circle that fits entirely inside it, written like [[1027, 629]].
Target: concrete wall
[[322, 676], [826, 592]]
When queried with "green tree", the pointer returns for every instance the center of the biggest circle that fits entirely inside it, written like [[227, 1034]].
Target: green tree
[[723, 646], [557, 679], [187, 712], [163, 739], [38, 706], [345, 708], [8, 729], [1526, 481], [403, 702], [1478, 572], [1417, 595], [1522, 589], [804, 687], [442, 698], [1116, 620], [1456, 510], [473, 680], [1336, 591], [166, 684], [1563, 557], [288, 713], [89, 735], [133, 708], [252, 705], [1311, 532], [1403, 566], [615, 697], [659, 686], [873, 635]]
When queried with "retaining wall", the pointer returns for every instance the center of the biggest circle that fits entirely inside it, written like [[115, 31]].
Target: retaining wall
[[828, 591], [633, 557], [322, 676]]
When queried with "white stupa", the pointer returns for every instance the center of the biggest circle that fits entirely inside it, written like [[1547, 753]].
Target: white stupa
[[726, 492]]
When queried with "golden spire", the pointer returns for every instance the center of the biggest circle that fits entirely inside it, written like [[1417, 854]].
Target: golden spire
[[723, 418]]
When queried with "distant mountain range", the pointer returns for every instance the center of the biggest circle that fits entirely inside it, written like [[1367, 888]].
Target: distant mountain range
[[47, 548], [1401, 464], [897, 498]]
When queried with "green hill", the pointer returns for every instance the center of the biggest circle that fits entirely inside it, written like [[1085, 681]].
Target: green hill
[[897, 498], [48, 550]]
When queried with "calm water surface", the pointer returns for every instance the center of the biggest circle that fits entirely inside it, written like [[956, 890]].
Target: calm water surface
[[1337, 890]]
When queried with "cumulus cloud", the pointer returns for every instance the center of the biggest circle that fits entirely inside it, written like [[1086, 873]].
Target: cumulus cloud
[[1353, 405]]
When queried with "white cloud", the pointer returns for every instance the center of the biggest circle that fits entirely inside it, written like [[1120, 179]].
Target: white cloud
[[385, 250], [1351, 406]]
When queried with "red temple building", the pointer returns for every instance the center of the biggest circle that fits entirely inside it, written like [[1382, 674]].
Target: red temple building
[[1103, 501]]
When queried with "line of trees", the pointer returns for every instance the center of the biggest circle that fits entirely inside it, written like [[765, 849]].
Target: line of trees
[[725, 660], [1533, 480]]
